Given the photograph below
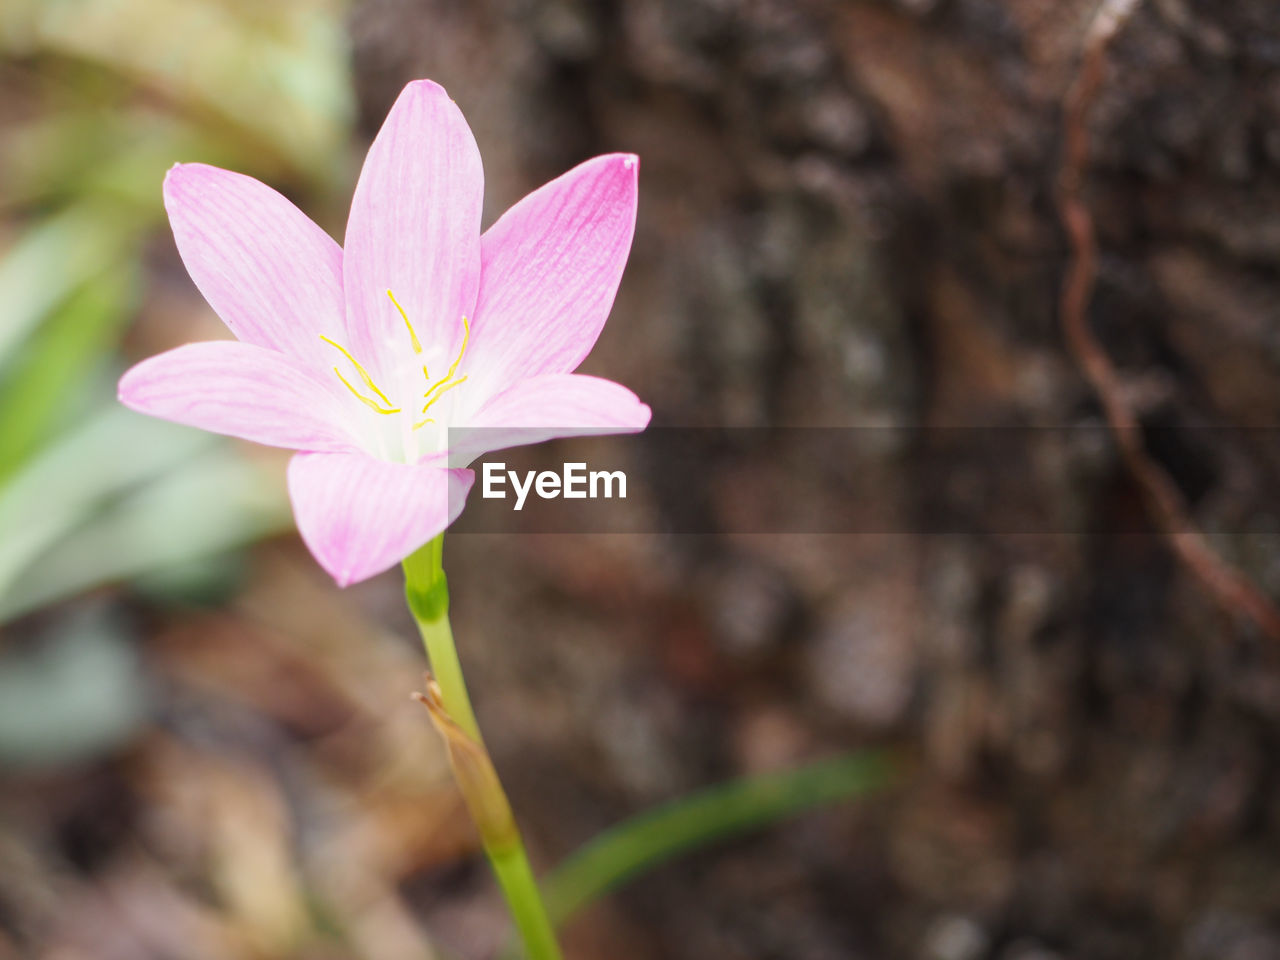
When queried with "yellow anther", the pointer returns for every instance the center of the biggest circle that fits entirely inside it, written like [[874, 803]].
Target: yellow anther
[[445, 389], [423, 423], [417, 346], [447, 382], [364, 374], [362, 398], [466, 335]]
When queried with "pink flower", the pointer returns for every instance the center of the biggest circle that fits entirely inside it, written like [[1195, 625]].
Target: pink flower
[[363, 357]]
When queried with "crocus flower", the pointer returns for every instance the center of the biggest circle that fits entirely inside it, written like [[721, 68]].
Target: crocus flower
[[363, 357]]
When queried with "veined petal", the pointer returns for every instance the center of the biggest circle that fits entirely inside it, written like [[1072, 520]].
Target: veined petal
[[414, 229], [273, 276], [359, 516], [553, 405], [240, 390], [550, 268]]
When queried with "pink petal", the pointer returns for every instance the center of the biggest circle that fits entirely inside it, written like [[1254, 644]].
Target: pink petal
[[273, 276], [550, 269], [240, 390], [553, 405], [414, 229], [359, 516]]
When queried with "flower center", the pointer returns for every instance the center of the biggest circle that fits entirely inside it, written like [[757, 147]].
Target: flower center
[[373, 397]]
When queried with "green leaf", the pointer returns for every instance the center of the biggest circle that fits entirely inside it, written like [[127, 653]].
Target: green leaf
[[78, 476], [209, 505], [120, 154], [54, 375], [274, 75], [53, 259]]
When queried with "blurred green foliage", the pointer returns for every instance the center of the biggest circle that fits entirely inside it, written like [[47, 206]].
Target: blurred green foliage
[[100, 98]]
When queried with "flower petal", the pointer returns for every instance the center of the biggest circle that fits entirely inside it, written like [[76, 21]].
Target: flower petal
[[550, 268], [359, 516], [553, 405], [240, 390], [414, 229], [273, 276]]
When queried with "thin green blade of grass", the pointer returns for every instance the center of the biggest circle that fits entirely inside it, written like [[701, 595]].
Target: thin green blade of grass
[[701, 819]]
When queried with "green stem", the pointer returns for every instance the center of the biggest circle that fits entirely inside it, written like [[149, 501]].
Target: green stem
[[524, 899], [437, 637], [427, 593]]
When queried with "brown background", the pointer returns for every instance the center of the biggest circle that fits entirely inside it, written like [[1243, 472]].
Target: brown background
[[847, 218]]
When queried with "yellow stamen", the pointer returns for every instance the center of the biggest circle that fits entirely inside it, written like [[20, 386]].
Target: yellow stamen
[[447, 387], [447, 382], [423, 423], [362, 398], [466, 335], [417, 346], [364, 375]]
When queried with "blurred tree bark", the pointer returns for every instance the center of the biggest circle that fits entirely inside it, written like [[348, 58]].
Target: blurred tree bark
[[848, 218]]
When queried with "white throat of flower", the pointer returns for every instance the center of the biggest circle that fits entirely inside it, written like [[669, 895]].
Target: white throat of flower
[[411, 415]]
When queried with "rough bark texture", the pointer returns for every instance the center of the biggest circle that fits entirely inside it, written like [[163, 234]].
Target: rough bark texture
[[848, 218]]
